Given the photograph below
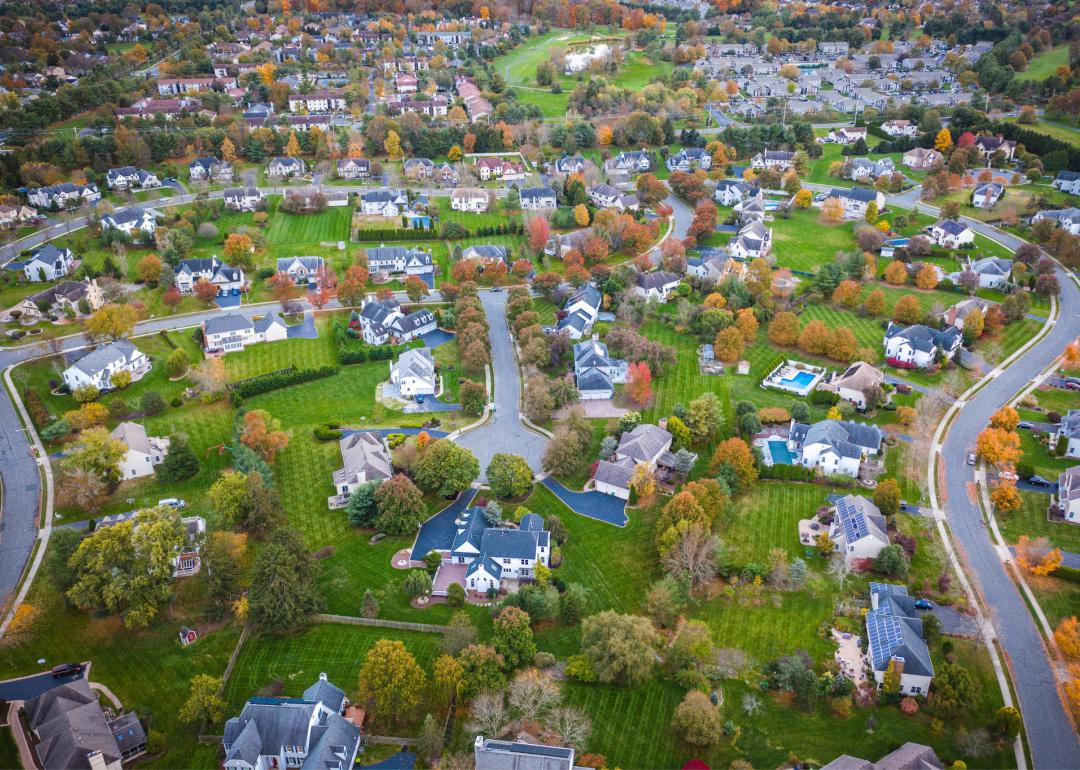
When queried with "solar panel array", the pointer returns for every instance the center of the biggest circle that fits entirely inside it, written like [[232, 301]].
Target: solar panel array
[[885, 635], [852, 520]]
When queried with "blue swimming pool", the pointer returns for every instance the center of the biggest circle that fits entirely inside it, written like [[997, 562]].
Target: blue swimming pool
[[780, 453], [800, 381]]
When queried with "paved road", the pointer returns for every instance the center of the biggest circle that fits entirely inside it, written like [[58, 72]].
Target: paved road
[[504, 432], [1051, 736]]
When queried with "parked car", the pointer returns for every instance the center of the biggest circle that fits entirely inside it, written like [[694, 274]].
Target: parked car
[[971, 458], [924, 604], [172, 502], [1038, 481], [1024, 425], [902, 388], [419, 398], [66, 669], [1070, 385]]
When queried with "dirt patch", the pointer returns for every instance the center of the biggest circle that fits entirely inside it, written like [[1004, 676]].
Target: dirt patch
[[973, 492]]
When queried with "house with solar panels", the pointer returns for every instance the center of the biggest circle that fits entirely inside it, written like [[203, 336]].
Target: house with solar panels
[[859, 530], [492, 754], [895, 636]]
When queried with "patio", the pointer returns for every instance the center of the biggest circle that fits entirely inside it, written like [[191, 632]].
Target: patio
[[446, 575], [849, 656], [810, 529]]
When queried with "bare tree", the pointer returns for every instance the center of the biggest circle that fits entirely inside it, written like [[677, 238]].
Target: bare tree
[[694, 555], [751, 704], [839, 569], [489, 714], [209, 374], [83, 488], [534, 693], [571, 725]]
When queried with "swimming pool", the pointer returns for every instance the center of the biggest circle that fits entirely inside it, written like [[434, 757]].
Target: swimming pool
[[779, 452], [800, 381]]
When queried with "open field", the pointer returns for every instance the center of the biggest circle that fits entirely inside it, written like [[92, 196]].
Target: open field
[[1050, 128], [1030, 519], [1045, 64]]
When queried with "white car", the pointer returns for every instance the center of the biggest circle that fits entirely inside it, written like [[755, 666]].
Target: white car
[[172, 502]]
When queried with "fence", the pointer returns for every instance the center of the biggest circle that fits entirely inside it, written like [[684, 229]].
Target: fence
[[426, 628]]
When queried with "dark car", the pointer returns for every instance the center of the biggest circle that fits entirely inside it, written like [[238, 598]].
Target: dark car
[[924, 604], [1070, 385], [1025, 425], [1038, 481], [66, 669]]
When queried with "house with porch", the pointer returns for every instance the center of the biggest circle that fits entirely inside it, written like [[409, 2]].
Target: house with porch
[[383, 321], [657, 285], [1068, 494], [64, 297], [1067, 219], [1069, 434], [837, 447], [919, 346], [286, 168], [231, 332], [383, 203], [469, 199], [210, 169], [537, 198], [950, 234], [304, 271], [353, 168], [129, 178], [854, 383], [580, 312], [993, 272], [48, 263], [227, 279], [486, 560], [400, 260], [857, 199], [135, 222], [242, 198]]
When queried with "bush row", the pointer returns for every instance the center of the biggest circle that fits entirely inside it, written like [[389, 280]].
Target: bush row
[[368, 353], [787, 472], [276, 380]]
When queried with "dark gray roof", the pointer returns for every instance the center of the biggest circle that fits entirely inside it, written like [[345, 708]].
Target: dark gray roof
[[951, 226], [924, 338], [849, 439], [656, 280], [517, 755], [863, 194], [616, 474], [96, 360], [485, 251], [324, 692], [70, 723], [1070, 425], [643, 443], [536, 192], [588, 294], [48, 254], [268, 320], [230, 322]]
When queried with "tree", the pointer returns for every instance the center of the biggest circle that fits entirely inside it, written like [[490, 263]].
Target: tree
[[998, 447], [352, 289], [149, 268], [871, 215], [571, 725], [887, 497], [784, 329], [112, 321], [228, 150], [747, 324], [1004, 496], [803, 199], [974, 324], [729, 345], [238, 247], [473, 397], [534, 693], [392, 145], [832, 211], [1067, 636], [954, 690], [513, 638], [907, 309], [172, 298], [176, 365], [99, 454], [943, 142], [650, 190], [430, 743], [639, 384], [446, 468], [896, 273], [391, 682], [892, 561], [926, 277], [539, 231], [847, 294], [1037, 556], [704, 416], [415, 288], [581, 215], [843, 345], [263, 434], [1006, 418], [205, 291], [489, 714], [209, 375], [481, 669], [292, 147], [697, 721], [283, 590], [509, 476], [361, 507], [401, 506], [127, 567], [180, 463], [891, 681], [688, 552], [417, 583], [203, 704], [619, 648]]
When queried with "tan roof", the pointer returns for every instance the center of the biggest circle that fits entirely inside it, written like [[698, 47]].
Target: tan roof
[[134, 435]]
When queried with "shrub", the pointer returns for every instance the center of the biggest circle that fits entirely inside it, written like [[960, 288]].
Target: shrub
[[56, 430], [176, 402], [264, 383], [774, 414], [85, 393], [455, 595], [544, 660], [152, 402], [579, 668], [39, 413], [824, 398], [326, 433]]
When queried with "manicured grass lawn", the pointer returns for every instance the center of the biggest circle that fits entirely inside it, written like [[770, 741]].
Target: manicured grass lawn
[[1045, 64], [493, 217], [1056, 130], [1057, 400], [804, 243], [867, 330], [148, 670], [329, 225], [1059, 599], [767, 517], [301, 353], [1030, 519]]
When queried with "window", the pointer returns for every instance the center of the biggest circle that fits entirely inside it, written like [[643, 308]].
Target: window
[[506, 561]]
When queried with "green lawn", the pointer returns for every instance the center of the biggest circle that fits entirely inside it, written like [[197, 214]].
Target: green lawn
[[1045, 64], [1030, 519], [768, 517], [804, 243], [1059, 599], [1056, 130]]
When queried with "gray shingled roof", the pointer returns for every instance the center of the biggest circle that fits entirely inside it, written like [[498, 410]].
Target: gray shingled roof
[[97, 360]]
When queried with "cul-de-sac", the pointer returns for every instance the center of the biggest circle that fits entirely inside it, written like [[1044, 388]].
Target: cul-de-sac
[[539, 385]]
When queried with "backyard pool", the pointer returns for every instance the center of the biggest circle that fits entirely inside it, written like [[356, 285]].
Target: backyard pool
[[799, 381], [779, 452], [794, 377]]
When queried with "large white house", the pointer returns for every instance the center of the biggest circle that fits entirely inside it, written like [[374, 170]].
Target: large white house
[[309, 731], [210, 168], [780, 160], [231, 332], [580, 312], [286, 168], [951, 234], [753, 241], [302, 270], [656, 286], [688, 159], [858, 530], [99, 365], [857, 200], [537, 198], [364, 458], [919, 346], [645, 445], [1068, 182], [382, 321], [993, 272], [48, 263], [1068, 494], [1069, 433], [469, 199], [132, 221], [143, 451], [383, 203], [595, 372], [491, 754], [399, 259], [130, 177], [225, 278], [837, 447], [63, 195], [1067, 219], [414, 373], [243, 198], [495, 559], [895, 637]]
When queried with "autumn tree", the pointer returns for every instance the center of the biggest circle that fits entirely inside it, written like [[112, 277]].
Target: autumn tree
[[973, 326], [926, 277], [784, 329], [1067, 636], [907, 310], [539, 232], [149, 268], [1006, 418], [205, 291], [832, 211], [846, 294], [728, 345], [896, 273], [400, 505], [352, 289], [747, 324], [391, 682], [943, 142], [1004, 496], [263, 433], [111, 321], [1037, 556], [639, 384], [581, 215], [697, 721], [874, 304], [736, 453], [998, 447]]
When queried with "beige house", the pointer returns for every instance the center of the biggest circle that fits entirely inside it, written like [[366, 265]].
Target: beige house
[[854, 382], [143, 451]]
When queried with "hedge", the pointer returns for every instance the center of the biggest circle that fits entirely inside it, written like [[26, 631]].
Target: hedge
[[327, 433], [264, 383], [368, 353], [1072, 574], [824, 398], [787, 472]]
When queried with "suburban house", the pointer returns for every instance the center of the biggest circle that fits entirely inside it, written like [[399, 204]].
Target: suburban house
[[856, 200], [730, 192], [131, 220], [418, 168], [468, 199], [580, 312], [921, 159], [918, 346], [231, 332], [1067, 219], [951, 234], [1068, 494], [12, 216], [595, 372], [64, 297], [895, 637], [302, 270], [129, 177], [491, 754], [242, 198], [354, 168], [317, 101], [486, 253], [187, 561], [955, 315], [414, 373], [537, 198], [993, 272], [910, 756], [629, 163], [309, 731], [898, 128], [645, 445], [656, 286], [751, 209], [399, 259], [560, 243], [63, 195], [858, 530], [689, 159], [499, 168], [753, 241], [713, 266], [837, 447], [382, 321], [227, 279], [364, 458], [487, 559], [99, 365], [569, 164], [986, 195], [846, 135], [861, 169], [781, 160], [210, 169], [286, 168], [1069, 433], [48, 263], [988, 145], [854, 383], [143, 451], [383, 203], [74, 731], [1068, 182]]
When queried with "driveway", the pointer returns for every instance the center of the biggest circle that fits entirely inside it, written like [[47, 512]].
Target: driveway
[[594, 505], [27, 687], [403, 760], [955, 623], [305, 330], [436, 338], [228, 300], [438, 531], [504, 432]]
